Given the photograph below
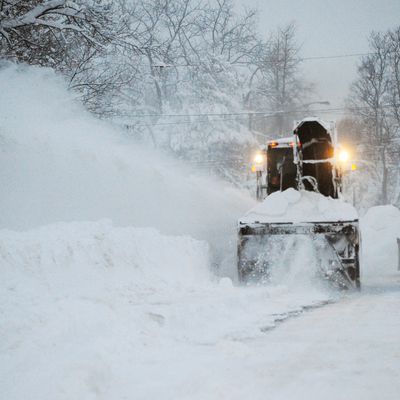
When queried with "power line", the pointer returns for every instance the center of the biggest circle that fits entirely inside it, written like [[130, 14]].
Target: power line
[[222, 117], [242, 113], [348, 55], [337, 56], [242, 63]]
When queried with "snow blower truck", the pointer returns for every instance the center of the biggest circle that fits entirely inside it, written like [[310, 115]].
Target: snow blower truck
[[299, 183]]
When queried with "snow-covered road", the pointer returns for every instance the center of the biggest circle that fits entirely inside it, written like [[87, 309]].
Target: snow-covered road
[[346, 350]]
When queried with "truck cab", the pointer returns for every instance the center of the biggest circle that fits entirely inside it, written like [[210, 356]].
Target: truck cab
[[281, 170], [275, 167]]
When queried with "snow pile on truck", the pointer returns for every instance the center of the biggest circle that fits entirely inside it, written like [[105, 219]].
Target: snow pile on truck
[[300, 206]]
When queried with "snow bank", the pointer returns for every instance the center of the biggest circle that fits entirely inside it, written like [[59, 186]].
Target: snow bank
[[304, 206], [89, 253], [93, 311], [380, 228]]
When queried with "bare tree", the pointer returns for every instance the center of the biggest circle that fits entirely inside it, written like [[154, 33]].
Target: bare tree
[[373, 101], [179, 72], [277, 84], [393, 43], [44, 31]]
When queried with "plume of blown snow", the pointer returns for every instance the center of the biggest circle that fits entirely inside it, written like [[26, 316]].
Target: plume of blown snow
[[59, 163]]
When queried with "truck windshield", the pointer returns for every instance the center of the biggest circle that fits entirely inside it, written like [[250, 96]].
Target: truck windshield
[[281, 171]]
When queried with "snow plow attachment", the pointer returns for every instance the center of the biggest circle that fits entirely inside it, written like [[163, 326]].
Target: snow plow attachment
[[303, 215], [337, 247]]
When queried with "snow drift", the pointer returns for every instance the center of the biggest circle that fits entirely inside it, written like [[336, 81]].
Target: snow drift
[[93, 311], [380, 229], [131, 255]]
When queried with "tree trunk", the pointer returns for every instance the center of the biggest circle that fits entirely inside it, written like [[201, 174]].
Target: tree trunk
[[384, 178]]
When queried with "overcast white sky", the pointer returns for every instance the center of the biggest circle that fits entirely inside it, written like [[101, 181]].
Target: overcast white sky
[[328, 28]]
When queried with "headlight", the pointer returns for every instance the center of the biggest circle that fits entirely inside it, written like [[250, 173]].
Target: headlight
[[344, 156], [259, 158]]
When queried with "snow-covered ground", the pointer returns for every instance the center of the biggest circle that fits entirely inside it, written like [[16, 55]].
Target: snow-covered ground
[[107, 253], [94, 311]]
